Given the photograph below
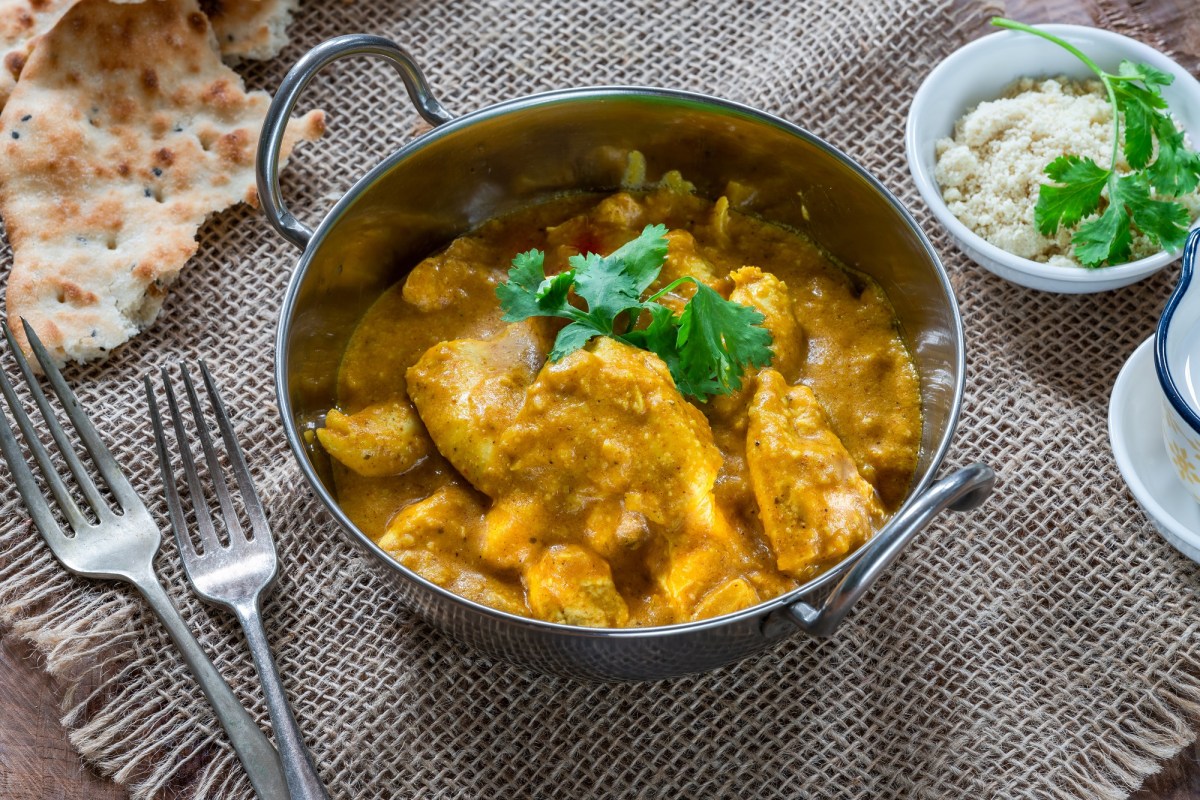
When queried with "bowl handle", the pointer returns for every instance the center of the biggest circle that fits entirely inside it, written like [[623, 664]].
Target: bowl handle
[[271, 140], [960, 491]]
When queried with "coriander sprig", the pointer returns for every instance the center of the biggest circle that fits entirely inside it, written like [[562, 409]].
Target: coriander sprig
[[706, 347], [1133, 200]]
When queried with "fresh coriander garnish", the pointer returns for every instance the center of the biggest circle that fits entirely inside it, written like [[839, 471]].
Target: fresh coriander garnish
[[706, 347], [1132, 200]]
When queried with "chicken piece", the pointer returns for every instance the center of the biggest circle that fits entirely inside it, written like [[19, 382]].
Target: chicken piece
[[608, 422], [464, 269], [684, 259], [431, 522], [430, 535], [620, 210], [468, 391], [513, 532], [718, 222], [733, 595], [613, 531], [639, 445], [769, 295], [814, 505], [686, 565], [572, 585], [380, 440]]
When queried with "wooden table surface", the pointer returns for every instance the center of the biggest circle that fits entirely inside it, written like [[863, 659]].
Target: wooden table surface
[[36, 758]]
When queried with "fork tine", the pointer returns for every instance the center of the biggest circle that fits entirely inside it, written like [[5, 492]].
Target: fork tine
[[27, 487], [254, 507], [118, 484], [208, 534], [82, 478], [57, 487], [174, 506], [215, 473]]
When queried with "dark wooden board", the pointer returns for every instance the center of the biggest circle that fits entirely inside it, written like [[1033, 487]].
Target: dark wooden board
[[36, 760]]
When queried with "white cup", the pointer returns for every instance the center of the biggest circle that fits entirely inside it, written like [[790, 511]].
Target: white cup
[[1177, 361]]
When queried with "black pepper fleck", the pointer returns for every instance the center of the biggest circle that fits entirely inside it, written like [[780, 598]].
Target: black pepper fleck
[[157, 172], [26, 118], [147, 193], [16, 135]]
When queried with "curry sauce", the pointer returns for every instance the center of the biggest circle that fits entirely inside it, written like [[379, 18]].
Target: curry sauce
[[588, 491]]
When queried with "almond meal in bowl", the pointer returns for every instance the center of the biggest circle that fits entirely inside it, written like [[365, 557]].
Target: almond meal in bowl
[[1013, 144]]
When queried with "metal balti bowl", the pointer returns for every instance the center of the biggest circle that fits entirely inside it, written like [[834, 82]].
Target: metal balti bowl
[[500, 158]]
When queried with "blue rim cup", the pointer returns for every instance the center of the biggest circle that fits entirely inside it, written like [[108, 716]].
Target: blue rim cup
[[1177, 343]]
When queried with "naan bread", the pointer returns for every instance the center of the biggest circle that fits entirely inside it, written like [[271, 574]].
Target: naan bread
[[124, 133], [21, 22], [250, 29], [245, 29]]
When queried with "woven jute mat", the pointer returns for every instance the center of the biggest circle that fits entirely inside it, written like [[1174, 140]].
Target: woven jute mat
[[1043, 646]]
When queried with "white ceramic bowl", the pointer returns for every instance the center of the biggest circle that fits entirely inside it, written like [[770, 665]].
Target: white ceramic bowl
[[1134, 417], [981, 71]]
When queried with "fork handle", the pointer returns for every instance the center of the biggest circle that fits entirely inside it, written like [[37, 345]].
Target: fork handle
[[298, 768], [252, 746]]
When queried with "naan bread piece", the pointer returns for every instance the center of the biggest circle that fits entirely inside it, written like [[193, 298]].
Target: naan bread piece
[[124, 134], [21, 23], [250, 29], [814, 505]]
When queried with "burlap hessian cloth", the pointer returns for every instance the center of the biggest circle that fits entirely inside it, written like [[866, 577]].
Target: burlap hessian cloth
[[1043, 646]]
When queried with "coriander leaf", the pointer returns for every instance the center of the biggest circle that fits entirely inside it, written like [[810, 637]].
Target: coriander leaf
[[1164, 222], [573, 337], [1140, 107], [1105, 238], [613, 284], [1139, 136], [1145, 73], [605, 287], [661, 337], [519, 295], [552, 292], [718, 339], [706, 348], [1176, 171], [1082, 180], [644, 256]]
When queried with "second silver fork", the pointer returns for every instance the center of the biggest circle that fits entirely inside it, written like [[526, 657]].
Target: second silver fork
[[233, 575]]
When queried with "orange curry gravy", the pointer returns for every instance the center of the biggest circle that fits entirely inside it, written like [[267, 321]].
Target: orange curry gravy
[[589, 491]]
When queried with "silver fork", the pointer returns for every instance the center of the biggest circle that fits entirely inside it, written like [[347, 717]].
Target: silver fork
[[234, 575], [121, 545]]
